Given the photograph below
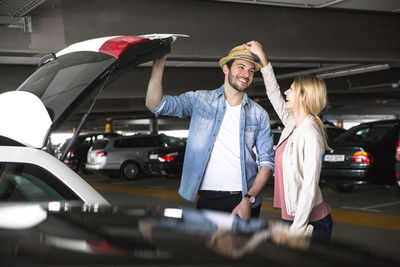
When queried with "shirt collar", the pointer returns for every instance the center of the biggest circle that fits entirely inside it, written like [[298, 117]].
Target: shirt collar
[[245, 101]]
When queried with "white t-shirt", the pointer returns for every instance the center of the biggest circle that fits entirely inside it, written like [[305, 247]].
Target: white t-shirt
[[223, 172]]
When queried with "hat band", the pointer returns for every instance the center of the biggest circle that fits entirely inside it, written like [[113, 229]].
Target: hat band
[[244, 57]]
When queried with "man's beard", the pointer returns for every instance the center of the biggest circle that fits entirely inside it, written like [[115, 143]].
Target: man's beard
[[235, 85]]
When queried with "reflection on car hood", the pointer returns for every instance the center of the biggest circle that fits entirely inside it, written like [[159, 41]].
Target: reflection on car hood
[[64, 234]]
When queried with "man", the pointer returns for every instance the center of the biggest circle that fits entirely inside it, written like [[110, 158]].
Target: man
[[225, 125]]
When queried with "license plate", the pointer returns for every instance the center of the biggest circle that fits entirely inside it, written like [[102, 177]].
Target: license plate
[[153, 156], [334, 158]]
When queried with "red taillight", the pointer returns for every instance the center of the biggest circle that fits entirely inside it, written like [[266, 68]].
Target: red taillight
[[101, 154], [168, 157], [71, 152], [116, 46], [398, 152], [104, 247], [361, 157]]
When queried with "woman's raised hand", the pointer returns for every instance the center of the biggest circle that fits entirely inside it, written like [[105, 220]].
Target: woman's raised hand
[[256, 48]]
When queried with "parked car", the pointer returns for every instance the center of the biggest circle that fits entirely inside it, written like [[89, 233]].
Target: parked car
[[332, 131], [276, 135], [367, 153], [77, 154], [396, 188], [31, 175], [63, 83], [125, 155], [168, 159]]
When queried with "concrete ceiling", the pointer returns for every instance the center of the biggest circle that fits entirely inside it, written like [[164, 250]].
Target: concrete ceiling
[[352, 44]]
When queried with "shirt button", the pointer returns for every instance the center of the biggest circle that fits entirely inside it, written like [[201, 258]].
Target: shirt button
[[219, 120]]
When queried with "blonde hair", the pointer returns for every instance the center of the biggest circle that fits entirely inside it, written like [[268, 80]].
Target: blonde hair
[[311, 95]]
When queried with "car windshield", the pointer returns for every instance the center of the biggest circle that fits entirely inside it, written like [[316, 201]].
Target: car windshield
[[59, 82]]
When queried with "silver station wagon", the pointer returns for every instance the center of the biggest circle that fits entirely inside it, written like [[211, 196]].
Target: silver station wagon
[[124, 155]]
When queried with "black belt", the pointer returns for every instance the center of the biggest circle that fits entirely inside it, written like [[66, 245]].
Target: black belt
[[220, 192]]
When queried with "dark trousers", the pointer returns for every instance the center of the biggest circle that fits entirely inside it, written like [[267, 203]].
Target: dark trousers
[[222, 201], [322, 228]]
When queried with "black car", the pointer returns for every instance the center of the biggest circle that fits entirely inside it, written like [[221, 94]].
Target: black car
[[77, 154], [61, 234], [168, 160], [332, 131], [367, 153]]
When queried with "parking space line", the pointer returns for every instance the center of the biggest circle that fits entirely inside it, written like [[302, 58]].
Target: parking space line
[[360, 209], [371, 208], [384, 205], [339, 215]]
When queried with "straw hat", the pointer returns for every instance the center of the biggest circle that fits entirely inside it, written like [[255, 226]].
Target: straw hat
[[240, 52]]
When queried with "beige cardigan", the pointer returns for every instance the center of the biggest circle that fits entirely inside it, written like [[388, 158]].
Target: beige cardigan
[[301, 159]]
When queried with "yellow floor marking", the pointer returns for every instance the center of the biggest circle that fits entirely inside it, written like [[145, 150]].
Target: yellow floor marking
[[142, 191], [267, 206], [366, 219], [338, 215]]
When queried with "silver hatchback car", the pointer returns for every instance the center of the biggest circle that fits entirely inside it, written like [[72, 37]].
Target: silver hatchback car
[[125, 155]]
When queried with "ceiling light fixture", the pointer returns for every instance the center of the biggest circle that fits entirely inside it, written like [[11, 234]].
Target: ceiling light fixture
[[353, 71], [285, 3]]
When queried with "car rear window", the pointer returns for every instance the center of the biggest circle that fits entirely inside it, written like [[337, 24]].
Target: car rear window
[[100, 144], [59, 82], [170, 141], [369, 134]]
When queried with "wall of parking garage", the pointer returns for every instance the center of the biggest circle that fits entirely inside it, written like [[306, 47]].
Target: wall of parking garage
[[288, 34]]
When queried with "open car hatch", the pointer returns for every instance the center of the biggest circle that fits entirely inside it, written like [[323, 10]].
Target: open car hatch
[[69, 79]]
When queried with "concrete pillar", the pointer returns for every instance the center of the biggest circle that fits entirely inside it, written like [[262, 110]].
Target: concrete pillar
[[153, 126]]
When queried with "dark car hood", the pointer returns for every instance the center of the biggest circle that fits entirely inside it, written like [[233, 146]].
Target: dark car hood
[[68, 80], [62, 234]]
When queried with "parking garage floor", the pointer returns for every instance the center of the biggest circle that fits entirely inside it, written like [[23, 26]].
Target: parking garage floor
[[368, 217]]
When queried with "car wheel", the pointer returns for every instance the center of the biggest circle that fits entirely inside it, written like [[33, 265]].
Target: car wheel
[[342, 188], [130, 170]]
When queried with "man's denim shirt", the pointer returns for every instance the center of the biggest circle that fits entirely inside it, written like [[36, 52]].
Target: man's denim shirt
[[207, 110]]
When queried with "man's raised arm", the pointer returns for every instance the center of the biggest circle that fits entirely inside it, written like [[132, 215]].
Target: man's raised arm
[[154, 88]]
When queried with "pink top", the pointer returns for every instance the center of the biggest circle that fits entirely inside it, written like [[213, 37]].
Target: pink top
[[317, 213]]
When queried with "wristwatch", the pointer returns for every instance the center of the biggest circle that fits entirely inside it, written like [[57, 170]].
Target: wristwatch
[[250, 198]]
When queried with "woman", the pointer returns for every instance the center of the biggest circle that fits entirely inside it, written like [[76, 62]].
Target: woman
[[298, 156]]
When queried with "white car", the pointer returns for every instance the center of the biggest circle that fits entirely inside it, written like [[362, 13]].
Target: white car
[[62, 84]]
